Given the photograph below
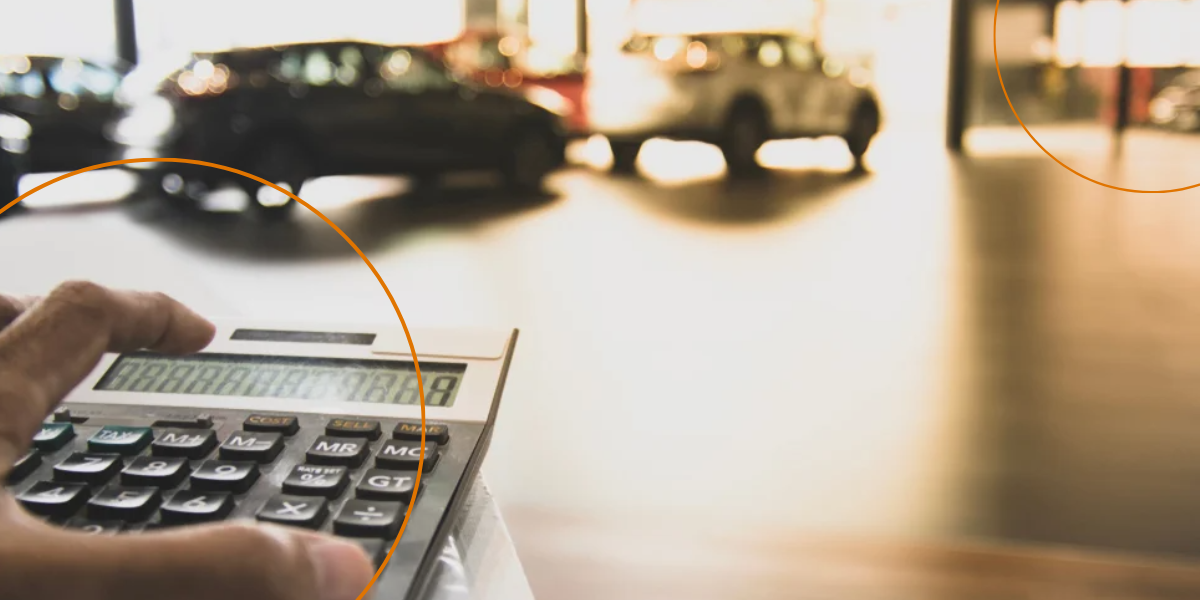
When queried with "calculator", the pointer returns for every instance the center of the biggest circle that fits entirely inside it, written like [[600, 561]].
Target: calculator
[[318, 428]]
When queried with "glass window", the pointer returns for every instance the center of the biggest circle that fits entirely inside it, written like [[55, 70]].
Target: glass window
[[100, 82], [800, 54], [350, 69], [26, 84], [318, 69], [66, 77], [406, 71]]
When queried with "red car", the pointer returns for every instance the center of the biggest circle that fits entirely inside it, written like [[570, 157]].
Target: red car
[[498, 59]]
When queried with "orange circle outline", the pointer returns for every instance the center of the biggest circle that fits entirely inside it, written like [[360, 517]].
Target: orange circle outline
[[996, 57], [412, 349]]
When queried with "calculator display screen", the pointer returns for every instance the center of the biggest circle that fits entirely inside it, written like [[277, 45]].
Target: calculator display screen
[[302, 378]]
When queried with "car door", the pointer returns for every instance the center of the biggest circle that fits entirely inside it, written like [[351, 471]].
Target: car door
[[327, 95], [429, 111], [766, 72], [26, 94], [84, 102], [811, 91]]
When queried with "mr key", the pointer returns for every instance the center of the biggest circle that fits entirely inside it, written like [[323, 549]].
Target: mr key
[[300, 433]]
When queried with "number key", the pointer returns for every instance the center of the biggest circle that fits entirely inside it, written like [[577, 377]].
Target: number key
[[51, 499], [165, 472], [225, 476], [83, 467], [188, 506], [124, 503], [24, 466]]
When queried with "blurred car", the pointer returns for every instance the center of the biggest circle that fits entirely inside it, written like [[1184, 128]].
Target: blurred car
[[498, 59], [294, 112], [735, 90], [68, 102], [14, 145], [1177, 106]]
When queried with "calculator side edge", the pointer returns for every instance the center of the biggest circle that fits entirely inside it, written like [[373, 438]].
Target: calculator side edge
[[425, 571]]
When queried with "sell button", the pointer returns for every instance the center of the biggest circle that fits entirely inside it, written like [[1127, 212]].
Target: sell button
[[353, 428]]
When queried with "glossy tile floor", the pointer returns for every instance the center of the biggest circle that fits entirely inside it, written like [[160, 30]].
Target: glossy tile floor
[[941, 349]]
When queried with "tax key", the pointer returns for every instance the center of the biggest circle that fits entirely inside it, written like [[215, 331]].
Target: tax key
[[118, 439]]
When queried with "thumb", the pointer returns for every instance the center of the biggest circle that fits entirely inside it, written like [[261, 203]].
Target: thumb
[[234, 561]]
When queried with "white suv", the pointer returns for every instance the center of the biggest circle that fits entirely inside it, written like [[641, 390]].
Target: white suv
[[735, 90]]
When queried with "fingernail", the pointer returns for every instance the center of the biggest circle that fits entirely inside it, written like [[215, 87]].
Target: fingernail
[[343, 569]]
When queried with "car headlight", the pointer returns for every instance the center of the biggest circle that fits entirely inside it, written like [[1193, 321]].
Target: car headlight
[[14, 134], [13, 127], [549, 100], [147, 120]]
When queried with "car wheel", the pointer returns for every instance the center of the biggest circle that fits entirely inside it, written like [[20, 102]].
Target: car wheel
[[284, 163], [744, 134], [625, 153], [862, 130], [529, 161]]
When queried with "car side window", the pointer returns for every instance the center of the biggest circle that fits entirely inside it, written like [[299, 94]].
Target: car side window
[[24, 84], [801, 55], [66, 77], [406, 71], [770, 53]]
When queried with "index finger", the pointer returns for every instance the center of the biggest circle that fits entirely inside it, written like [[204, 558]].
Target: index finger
[[56, 342]]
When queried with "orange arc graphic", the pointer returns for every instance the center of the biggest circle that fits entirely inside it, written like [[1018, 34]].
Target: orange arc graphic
[[412, 349], [996, 56]]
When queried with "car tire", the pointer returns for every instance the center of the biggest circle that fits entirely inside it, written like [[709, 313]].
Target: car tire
[[529, 160], [284, 163], [863, 127], [625, 153], [745, 132]]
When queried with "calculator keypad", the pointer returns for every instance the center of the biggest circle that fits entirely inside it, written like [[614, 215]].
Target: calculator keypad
[[353, 477]]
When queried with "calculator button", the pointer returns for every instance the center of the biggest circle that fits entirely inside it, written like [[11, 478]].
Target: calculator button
[[287, 425], [197, 422], [379, 484], [309, 480], [261, 447], [404, 456], [368, 518], [91, 527], [124, 503], [63, 415], [83, 467], [296, 511], [24, 466], [119, 439], [337, 451], [225, 476], [353, 428], [53, 436], [190, 506], [411, 431], [193, 444], [52, 499], [161, 472]]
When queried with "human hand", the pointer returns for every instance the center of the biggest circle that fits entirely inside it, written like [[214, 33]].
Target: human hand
[[47, 347]]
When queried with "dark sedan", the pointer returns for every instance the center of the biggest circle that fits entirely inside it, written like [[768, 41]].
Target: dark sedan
[[295, 112], [14, 146], [68, 102]]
